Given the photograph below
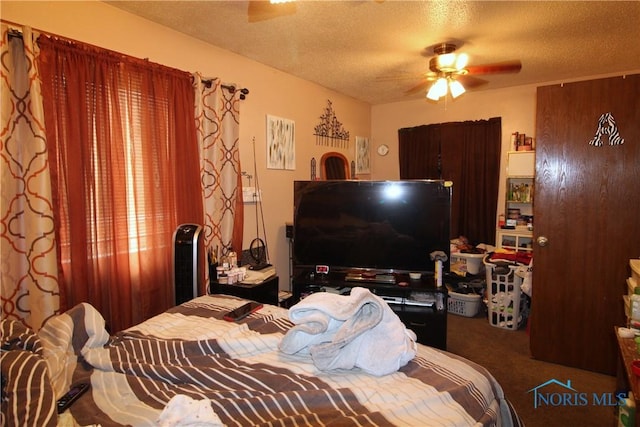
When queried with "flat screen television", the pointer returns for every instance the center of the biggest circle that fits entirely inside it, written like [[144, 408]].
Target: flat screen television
[[380, 226]]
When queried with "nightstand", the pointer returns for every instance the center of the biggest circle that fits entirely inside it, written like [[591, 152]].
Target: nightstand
[[265, 292]]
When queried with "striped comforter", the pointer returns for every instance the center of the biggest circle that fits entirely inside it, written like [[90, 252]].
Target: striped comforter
[[237, 368]]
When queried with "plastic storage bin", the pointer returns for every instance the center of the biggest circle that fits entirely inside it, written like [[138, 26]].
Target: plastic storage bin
[[506, 304], [471, 263], [466, 305]]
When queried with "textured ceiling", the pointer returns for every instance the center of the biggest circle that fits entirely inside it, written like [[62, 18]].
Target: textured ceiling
[[375, 50]]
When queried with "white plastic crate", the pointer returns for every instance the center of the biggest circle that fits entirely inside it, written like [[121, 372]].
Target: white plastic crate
[[471, 263], [506, 303], [466, 305]]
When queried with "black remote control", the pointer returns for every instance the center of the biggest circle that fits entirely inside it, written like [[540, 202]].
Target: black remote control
[[71, 396]]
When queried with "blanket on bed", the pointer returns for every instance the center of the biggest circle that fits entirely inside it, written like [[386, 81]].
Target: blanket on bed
[[237, 369], [27, 394]]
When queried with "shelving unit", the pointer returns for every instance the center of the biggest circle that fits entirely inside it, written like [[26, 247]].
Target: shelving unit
[[520, 191], [521, 163], [515, 240], [519, 197]]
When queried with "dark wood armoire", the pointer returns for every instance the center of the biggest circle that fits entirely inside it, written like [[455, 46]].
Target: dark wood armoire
[[586, 218]]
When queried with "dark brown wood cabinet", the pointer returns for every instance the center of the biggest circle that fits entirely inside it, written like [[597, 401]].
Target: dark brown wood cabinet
[[587, 207]]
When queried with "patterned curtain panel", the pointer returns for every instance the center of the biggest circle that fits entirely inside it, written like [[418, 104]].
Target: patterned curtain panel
[[218, 125], [30, 291]]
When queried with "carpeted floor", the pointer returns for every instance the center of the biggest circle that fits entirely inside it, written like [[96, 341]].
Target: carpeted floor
[[506, 355]]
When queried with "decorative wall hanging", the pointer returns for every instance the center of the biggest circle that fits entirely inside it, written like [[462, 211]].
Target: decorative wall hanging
[[363, 159], [330, 131], [607, 126], [281, 150]]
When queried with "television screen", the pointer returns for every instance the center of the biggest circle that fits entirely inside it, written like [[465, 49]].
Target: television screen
[[387, 226]]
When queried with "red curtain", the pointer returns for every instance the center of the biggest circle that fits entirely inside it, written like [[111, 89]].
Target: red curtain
[[125, 174], [467, 153]]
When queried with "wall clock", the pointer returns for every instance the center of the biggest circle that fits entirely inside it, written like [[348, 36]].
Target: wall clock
[[383, 149]]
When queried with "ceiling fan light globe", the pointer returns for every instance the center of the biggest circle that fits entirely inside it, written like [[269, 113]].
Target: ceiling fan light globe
[[441, 86], [446, 62], [456, 88], [461, 61], [433, 94], [438, 89]]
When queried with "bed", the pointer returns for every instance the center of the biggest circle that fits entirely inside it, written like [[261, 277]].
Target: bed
[[188, 366]]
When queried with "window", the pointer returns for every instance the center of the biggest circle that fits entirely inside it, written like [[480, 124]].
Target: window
[[125, 169]]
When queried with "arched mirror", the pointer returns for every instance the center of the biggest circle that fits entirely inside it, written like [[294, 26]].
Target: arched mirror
[[334, 165]]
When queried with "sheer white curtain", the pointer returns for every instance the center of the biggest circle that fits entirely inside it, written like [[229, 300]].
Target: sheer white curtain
[[218, 126], [29, 267]]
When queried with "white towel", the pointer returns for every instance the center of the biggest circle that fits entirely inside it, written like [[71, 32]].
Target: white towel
[[345, 331], [182, 410]]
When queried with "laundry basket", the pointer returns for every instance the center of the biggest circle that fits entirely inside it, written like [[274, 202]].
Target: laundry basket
[[507, 305], [466, 305]]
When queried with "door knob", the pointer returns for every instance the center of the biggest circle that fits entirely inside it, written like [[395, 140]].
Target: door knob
[[542, 241]]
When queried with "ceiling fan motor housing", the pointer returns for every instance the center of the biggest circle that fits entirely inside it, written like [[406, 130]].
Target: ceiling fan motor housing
[[444, 48], [446, 61]]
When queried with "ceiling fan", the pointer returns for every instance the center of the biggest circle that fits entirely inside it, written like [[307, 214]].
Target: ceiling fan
[[262, 10], [449, 72]]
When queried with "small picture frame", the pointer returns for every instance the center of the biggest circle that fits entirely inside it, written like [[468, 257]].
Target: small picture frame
[[363, 155]]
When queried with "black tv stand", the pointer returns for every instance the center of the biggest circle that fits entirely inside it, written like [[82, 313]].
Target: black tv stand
[[374, 278], [420, 305]]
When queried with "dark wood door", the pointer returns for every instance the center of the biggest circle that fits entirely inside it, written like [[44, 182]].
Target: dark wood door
[[587, 206]]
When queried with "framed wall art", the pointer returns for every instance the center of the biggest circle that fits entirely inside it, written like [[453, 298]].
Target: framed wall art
[[363, 156], [281, 149]]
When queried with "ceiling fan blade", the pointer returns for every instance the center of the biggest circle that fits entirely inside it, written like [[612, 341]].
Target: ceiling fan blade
[[497, 68], [261, 10], [399, 77], [419, 87], [470, 82]]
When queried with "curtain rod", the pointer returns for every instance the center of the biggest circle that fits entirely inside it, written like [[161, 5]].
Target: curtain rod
[[231, 88], [14, 32]]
